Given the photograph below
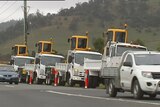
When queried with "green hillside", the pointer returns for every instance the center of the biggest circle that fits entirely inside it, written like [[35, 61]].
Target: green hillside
[[142, 17]]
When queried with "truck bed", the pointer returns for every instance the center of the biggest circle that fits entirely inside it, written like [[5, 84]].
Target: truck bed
[[94, 65]]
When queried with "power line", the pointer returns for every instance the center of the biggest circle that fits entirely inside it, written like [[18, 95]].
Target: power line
[[4, 4], [10, 14], [8, 8]]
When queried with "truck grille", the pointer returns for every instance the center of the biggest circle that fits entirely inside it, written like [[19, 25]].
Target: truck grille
[[156, 75]]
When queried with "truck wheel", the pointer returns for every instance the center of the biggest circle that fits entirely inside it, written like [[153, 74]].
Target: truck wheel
[[152, 95], [10, 82], [60, 81], [71, 83], [37, 80], [27, 79], [112, 90], [137, 92]]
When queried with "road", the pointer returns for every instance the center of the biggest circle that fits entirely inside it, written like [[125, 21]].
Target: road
[[24, 95]]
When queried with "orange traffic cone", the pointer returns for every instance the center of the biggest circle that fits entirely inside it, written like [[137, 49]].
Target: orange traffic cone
[[30, 78], [86, 78], [56, 78]]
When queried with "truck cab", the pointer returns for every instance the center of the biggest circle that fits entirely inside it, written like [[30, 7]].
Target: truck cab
[[75, 59], [18, 60], [45, 61]]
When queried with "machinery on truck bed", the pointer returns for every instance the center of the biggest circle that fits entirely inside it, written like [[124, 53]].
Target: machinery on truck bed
[[45, 60], [19, 58], [115, 46], [73, 72]]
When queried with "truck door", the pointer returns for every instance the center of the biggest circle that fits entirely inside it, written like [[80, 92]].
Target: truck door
[[126, 72]]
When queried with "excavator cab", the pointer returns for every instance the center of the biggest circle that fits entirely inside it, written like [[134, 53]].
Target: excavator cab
[[44, 47], [117, 35], [20, 50], [79, 42]]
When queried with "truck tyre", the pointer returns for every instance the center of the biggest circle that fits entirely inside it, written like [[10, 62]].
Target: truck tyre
[[137, 92], [92, 81], [71, 83], [152, 95], [60, 81], [48, 81], [112, 90], [27, 79]]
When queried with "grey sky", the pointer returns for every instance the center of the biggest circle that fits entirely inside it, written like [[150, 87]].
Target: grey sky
[[13, 9]]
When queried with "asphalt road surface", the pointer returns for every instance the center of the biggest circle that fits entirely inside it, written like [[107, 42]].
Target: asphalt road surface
[[24, 95]]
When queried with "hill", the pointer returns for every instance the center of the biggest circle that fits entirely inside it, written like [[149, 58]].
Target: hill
[[95, 17]]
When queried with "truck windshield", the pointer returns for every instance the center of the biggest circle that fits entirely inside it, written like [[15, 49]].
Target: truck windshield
[[23, 61], [79, 57], [147, 59], [50, 60], [121, 49], [120, 36]]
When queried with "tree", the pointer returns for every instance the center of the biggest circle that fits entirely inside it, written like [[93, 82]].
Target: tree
[[98, 44], [139, 42]]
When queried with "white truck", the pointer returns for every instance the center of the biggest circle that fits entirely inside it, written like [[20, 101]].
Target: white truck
[[73, 71], [18, 62], [44, 67], [138, 73], [111, 58]]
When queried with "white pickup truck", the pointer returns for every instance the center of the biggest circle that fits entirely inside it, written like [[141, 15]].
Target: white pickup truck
[[111, 58], [138, 73]]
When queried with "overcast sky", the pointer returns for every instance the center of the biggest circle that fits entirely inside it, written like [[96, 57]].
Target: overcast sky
[[13, 9]]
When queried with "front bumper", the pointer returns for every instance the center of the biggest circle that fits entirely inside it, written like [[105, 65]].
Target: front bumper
[[150, 85], [2, 79], [77, 78]]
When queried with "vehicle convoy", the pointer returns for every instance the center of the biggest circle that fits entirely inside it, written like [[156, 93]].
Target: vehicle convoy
[[45, 60], [8, 74], [114, 48], [18, 60], [72, 72]]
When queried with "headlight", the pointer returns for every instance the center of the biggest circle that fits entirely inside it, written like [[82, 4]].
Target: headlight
[[75, 71], [146, 74]]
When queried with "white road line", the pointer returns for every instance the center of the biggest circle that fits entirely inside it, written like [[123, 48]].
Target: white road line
[[10, 86], [101, 98]]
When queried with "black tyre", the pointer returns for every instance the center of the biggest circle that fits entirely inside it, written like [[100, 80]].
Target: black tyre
[[71, 83], [92, 81], [10, 82], [152, 95], [60, 81], [27, 79], [137, 92], [16, 83], [112, 90]]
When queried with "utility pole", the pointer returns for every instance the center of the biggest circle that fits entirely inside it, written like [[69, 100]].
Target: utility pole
[[25, 22]]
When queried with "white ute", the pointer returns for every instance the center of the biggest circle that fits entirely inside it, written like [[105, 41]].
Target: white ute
[[138, 73]]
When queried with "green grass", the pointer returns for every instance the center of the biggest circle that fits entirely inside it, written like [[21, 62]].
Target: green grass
[[62, 33]]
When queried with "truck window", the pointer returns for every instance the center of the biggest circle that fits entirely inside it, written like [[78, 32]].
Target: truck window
[[113, 52], [37, 61], [109, 36], [129, 59], [82, 43], [120, 37], [73, 43]]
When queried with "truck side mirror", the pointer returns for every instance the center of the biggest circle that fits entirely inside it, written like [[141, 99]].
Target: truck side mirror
[[128, 64], [11, 62], [70, 58]]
